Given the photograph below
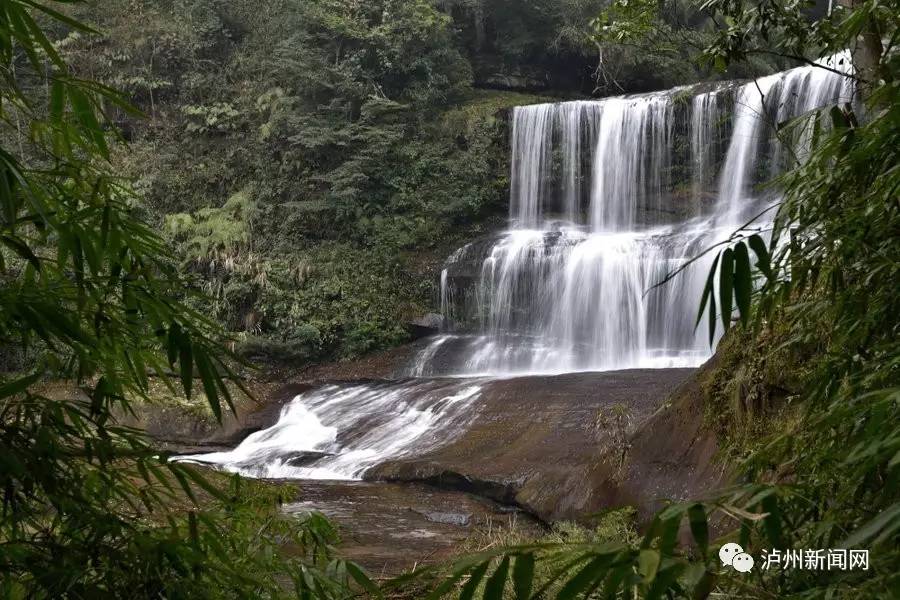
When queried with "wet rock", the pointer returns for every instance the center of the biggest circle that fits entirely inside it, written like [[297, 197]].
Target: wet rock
[[514, 81], [544, 442], [428, 324], [448, 518], [305, 458], [671, 455], [390, 528], [180, 428], [378, 365]]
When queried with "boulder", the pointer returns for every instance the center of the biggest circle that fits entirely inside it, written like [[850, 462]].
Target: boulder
[[428, 324]]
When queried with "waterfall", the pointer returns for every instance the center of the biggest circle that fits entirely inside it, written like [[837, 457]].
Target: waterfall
[[760, 108], [751, 123], [599, 215], [576, 120], [632, 151], [705, 117], [531, 129]]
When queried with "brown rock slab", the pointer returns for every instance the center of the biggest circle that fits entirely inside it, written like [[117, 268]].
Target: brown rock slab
[[672, 455], [542, 442], [391, 528]]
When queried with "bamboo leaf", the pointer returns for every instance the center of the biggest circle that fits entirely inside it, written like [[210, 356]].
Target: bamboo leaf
[[523, 576], [61, 324], [74, 23], [614, 581], [210, 379], [726, 286], [361, 578], [57, 101], [15, 16], [881, 527], [178, 472], [838, 119], [192, 529], [699, 527], [763, 260], [468, 591], [86, 116], [22, 249], [172, 343], [186, 363], [648, 564], [201, 481], [493, 589], [223, 388], [18, 386], [582, 580], [743, 282], [38, 36], [772, 520], [707, 289]]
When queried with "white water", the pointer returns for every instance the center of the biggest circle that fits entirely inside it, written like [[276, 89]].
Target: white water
[[570, 285], [706, 115], [338, 431], [596, 223]]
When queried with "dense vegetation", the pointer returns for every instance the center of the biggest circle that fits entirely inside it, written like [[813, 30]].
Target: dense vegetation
[[339, 150], [306, 164], [90, 307]]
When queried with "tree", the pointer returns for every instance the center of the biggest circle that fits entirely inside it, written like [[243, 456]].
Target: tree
[[91, 300]]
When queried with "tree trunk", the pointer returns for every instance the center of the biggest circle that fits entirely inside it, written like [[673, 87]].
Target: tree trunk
[[478, 15], [867, 49]]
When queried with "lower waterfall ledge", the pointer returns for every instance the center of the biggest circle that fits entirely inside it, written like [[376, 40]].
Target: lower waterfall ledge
[[568, 446], [559, 447]]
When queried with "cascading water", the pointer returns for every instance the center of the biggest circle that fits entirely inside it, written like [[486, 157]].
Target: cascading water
[[602, 207], [604, 202], [706, 115], [338, 431]]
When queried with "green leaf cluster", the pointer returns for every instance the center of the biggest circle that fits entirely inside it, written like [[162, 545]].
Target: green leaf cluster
[[95, 307]]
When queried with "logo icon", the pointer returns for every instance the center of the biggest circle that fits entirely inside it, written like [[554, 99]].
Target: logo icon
[[733, 555]]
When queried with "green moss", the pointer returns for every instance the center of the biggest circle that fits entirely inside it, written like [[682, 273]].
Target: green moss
[[751, 392]]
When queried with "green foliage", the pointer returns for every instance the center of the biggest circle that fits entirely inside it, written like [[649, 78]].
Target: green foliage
[[787, 29], [215, 232], [628, 20], [572, 562], [539, 44], [820, 300], [219, 117], [354, 130], [830, 291], [670, 36], [351, 131], [90, 298]]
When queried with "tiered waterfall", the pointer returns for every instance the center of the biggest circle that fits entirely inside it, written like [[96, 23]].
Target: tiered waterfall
[[607, 197]]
